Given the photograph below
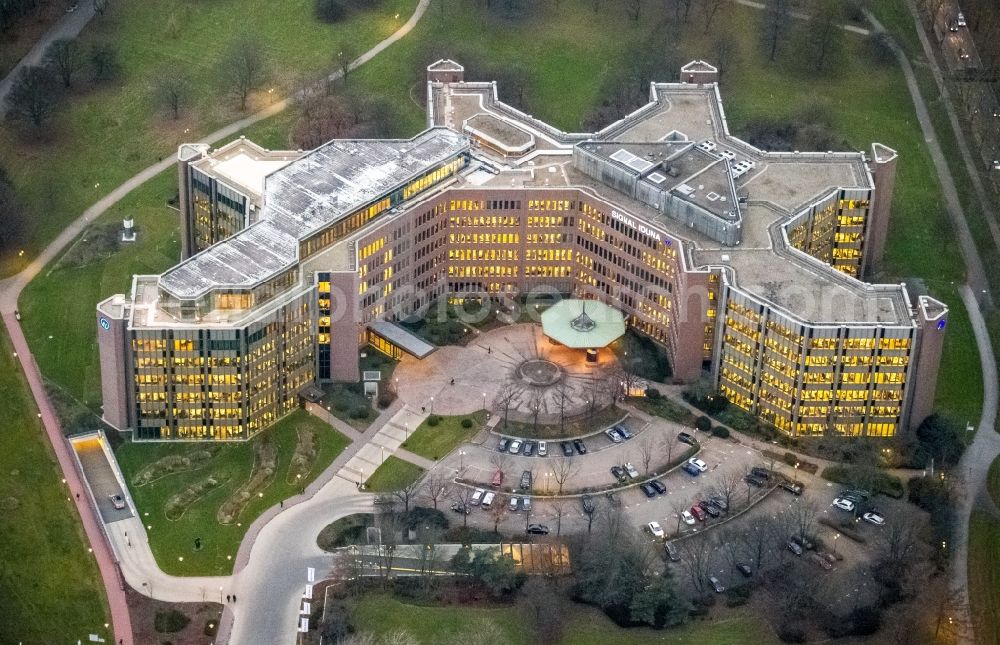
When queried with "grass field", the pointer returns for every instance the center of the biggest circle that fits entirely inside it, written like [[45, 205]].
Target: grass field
[[393, 474], [434, 442], [984, 576], [584, 625], [49, 583], [172, 540], [105, 135]]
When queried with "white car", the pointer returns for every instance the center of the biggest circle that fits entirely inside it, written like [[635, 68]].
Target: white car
[[687, 517], [117, 501], [613, 435], [873, 517], [844, 504], [630, 469], [543, 450], [698, 463], [656, 529], [488, 499], [513, 504], [477, 497], [515, 447]]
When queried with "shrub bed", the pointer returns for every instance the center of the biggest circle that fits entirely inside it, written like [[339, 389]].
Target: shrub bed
[[874, 480]]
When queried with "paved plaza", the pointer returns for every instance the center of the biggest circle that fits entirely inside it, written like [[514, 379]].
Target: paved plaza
[[519, 360]]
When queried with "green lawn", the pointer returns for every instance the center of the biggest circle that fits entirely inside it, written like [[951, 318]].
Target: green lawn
[[105, 135], [984, 576], [434, 442], [172, 540], [993, 481], [393, 474], [383, 615], [49, 583]]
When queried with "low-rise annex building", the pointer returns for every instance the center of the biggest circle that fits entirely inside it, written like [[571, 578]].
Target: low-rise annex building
[[741, 263]]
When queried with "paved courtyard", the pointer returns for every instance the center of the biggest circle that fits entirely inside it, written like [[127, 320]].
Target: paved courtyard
[[519, 360]]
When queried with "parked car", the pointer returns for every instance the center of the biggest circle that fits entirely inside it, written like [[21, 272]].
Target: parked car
[[526, 504], [477, 497], [529, 448], [614, 436], [623, 431], [526, 480], [699, 514], [953, 25], [658, 486], [687, 517], [960, 21], [844, 504], [691, 470], [515, 447], [819, 561], [792, 487], [117, 501], [513, 503], [497, 480], [762, 473], [712, 580], [671, 551], [656, 529], [618, 473], [537, 529], [698, 463], [503, 444], [543, 449], [859, 494], [488, 499], [684, 437], [580, 447], [802, 541], [630, 469], [71, 8], [719, 503], [793, 547], [754, 480], [744, 569], [647, 489], [588, 504], [873, 517], [709, 508], [567, 448]]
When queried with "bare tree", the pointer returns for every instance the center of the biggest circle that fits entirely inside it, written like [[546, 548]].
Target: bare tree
[[729, 545], [635, 8], [563, 469], [498, 511], [101, 6], [711, 7], [541, 601], [389, 526], [562, 394], [244, 66], [406, 495], [171, 90], [559, 509], [696, 557], [500, 460], [463, 497], [823, 31], [726, 50], [345, 57], [777, 14], [535, 405], [802, 517], [436, 485], [505, 399], [726, 486], [64, 58], [759, 540], [33, 95], [589, 511], [646, 453]]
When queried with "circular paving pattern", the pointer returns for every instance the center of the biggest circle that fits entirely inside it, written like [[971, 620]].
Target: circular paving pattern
[[539, 372]]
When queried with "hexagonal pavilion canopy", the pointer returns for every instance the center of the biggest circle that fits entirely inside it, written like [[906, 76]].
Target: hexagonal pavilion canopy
[[583, 324]]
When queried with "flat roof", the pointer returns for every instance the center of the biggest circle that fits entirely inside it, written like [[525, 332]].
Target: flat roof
[[402, 338]]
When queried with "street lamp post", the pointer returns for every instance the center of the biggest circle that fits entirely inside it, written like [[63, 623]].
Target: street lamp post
[[461, 457], [484, 400], [220, 594], [432, 405], [796, 472], [835, 543]]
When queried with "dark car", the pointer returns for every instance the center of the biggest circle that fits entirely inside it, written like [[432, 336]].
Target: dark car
[[658, 486], [503, 445], [691, 470], [567, 448], [744, 568], [759, 472], [858, 493], [460, 508], [709, 508], [529, 448], [792, 487], [618, 473], [537, 529], [684, 437], [719, 503], [671, 551], [580, 448], [588, 504], [648, 490], [753, 480], [623, 431], [526, 480]]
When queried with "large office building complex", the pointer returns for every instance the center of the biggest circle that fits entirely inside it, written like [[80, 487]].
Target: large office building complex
[[743, 264]]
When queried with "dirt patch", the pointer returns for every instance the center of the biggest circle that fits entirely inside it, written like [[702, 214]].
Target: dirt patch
[[304, 458], [200, 630], [173, 464], [264, 464], [178, 503]]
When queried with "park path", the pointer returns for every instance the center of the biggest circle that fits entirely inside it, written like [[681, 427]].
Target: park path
[[68, 26], [140, 567]]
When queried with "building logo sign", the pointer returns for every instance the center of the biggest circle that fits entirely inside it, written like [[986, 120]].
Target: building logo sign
[[632, 224], [105, 325]]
